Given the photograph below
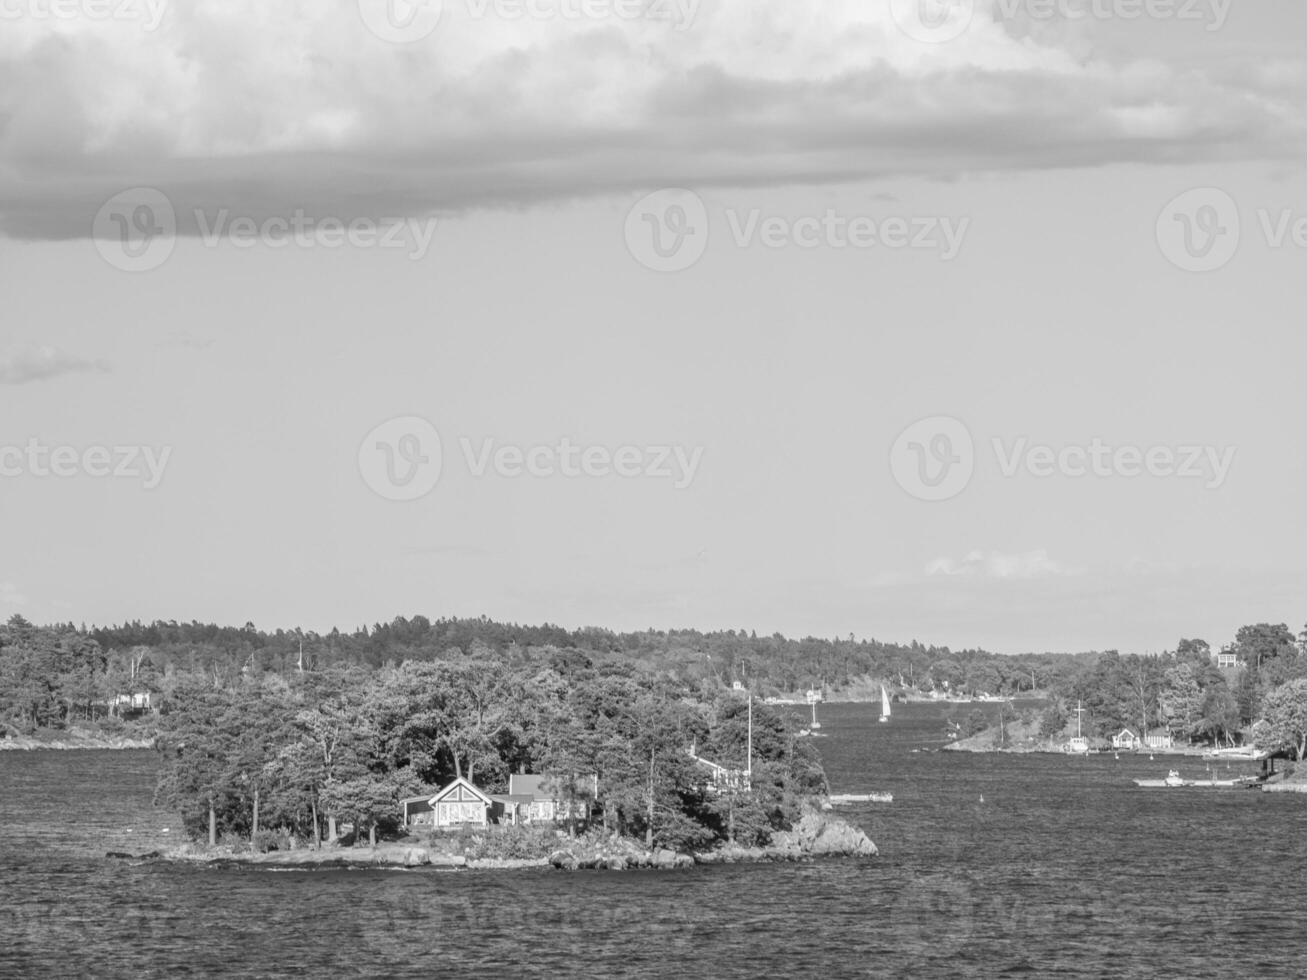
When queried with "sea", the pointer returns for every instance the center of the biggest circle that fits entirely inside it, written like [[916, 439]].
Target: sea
[[990, 865]]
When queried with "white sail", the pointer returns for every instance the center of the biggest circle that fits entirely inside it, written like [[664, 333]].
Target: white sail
[[884, 704]]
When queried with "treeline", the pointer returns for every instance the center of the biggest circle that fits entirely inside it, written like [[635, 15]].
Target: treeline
[[136, 657], [304, 754]]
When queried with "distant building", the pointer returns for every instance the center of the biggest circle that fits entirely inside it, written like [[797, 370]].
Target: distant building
[[1161, 740], [721, 779], [530, 799], [534, 798], [1227, 660], [737, 686], [1125, 739]]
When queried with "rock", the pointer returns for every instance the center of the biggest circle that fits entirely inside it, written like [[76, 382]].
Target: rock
[[616, 864], [506, 864], [563, 860], [416, 856], [663, 858], [835, 837]]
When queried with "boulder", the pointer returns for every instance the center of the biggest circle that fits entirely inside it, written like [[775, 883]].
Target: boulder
[[415, 856], [563, 860], [663, 858]]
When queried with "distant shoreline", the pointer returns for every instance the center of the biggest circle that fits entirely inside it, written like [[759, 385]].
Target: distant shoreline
[[27, 743]]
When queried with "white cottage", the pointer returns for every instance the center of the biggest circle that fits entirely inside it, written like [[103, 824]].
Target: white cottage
[[459, 804]]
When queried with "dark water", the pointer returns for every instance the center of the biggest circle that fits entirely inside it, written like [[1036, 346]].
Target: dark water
[[1066, 869]]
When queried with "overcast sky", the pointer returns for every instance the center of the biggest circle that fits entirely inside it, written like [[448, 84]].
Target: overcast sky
[[983, 328]]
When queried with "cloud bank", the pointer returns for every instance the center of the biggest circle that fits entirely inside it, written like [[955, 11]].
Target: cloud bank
[[262, 108]]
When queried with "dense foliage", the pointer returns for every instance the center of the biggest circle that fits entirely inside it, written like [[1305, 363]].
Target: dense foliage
[[349, 744]]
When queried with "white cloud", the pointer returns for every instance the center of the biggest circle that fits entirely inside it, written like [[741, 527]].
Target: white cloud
[[43, 364], [996, 565], [264, 107], [10, 596]]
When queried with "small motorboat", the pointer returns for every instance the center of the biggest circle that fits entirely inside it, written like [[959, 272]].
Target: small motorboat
[[1172, 780]]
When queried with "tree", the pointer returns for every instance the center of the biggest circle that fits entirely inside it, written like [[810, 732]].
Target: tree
[[1285, 715], [1260, 644]]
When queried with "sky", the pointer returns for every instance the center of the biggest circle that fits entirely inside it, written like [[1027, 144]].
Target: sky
[[976, 323]]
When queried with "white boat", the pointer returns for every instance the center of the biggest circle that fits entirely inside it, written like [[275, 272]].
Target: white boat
[[844, 799], [1173, 781], [1078, 745], [1243, 753], [884, 704], [816, 725]]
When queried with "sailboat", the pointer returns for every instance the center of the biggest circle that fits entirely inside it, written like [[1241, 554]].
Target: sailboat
[[815, 723], [884, 704], [1078, 745]]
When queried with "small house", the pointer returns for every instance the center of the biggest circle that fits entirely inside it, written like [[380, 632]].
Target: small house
[[1159, 740], [1125, 739], [721, 779], [459, 804], [536, 798]]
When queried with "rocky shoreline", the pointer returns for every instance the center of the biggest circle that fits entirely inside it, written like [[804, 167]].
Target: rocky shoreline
[[71, 741], [815, 836]]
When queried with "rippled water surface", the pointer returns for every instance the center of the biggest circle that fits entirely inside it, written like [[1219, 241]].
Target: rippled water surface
[[990, 866]]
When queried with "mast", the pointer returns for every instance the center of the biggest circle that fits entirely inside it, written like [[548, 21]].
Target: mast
[[748, 759]]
